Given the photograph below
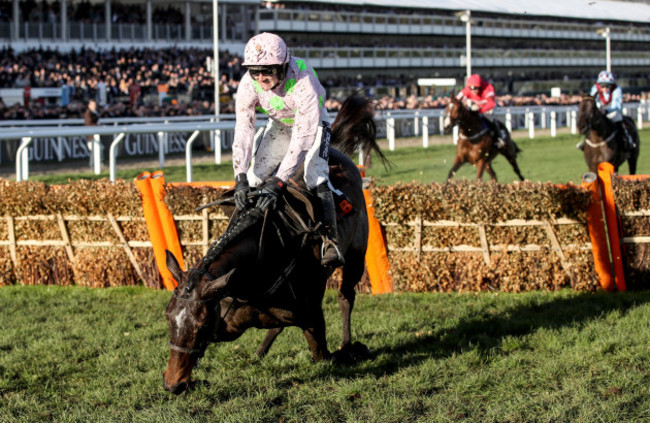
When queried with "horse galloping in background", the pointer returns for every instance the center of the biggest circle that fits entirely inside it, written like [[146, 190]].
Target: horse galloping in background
[[265, 270], [476, 142], [603, 141]]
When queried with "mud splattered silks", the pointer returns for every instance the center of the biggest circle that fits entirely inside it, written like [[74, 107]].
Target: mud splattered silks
[[294, 132]]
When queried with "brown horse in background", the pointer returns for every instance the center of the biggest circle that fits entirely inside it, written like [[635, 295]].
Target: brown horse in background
[[265, 270], [475, 142], [603, 141]]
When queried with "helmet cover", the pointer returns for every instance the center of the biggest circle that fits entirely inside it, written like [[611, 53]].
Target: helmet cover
[[265, 49]]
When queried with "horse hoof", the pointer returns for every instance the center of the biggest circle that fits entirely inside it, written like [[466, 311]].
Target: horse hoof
[[351, 354], [361, 351]]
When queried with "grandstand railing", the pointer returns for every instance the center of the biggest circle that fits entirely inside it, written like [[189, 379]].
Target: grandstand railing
[[396, 57], [419, 24], [396, 123]]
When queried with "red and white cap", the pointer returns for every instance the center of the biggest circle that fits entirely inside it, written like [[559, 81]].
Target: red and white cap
[[265, 49], [605, 78]]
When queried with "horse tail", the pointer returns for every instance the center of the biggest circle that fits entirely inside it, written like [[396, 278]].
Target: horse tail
[[354, 128]]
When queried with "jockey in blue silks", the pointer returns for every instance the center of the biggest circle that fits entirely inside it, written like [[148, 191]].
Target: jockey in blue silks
[[609, 99]]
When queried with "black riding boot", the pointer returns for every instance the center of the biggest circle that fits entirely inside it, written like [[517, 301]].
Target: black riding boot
[[330, 253], [628, 142]]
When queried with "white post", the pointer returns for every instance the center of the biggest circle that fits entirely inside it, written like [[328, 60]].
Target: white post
[[416, 124], [425, 131], [639, 117], [542, 119], [531, 125], [568, 118], [574, 127], [509, 121], [441, 123], [161, 149], [23, 151], [390, 133], [608, 48], [455, 134], [188, 155], [553, 124], [112, 156], [217, 77], [468, 42], [96, 158]]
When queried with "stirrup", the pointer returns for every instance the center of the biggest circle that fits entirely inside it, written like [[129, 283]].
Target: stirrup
[[331, 260]]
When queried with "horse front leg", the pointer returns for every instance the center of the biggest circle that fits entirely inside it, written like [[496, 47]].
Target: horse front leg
[[490, 171], [264, 347], [315, 335], [457, 163], [480, 167]]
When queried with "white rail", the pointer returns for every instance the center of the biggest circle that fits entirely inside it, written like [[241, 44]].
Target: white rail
[[419, 122]]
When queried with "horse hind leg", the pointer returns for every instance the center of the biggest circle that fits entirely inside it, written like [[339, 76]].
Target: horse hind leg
[[513, 161], [264, 347], [631, 162], [352, 273]]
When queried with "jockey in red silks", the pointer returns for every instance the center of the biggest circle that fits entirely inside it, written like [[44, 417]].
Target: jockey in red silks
[[479, 96], [287, 89]]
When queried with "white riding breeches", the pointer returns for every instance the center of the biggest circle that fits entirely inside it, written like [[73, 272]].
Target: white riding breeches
[[272, 147]]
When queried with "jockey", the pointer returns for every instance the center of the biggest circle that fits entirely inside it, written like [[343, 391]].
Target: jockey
[[609, 99], [479, 96], [298, 131]]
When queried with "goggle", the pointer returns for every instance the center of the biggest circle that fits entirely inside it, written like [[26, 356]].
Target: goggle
[[605, 85], [273, 70], [474, 88]]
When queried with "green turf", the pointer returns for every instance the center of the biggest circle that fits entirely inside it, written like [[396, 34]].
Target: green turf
[[71, 354]]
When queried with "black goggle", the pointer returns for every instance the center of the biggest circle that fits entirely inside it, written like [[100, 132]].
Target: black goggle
[[274, 70], [474, 88], [605, 85]]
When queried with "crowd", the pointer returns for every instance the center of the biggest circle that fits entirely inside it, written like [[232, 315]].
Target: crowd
[[127, 83], [87, 12]]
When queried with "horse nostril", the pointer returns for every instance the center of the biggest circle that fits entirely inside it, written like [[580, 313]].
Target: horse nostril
[[179, 388]]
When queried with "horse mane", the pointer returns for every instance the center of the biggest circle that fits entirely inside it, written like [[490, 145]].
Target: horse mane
[[354, 128]]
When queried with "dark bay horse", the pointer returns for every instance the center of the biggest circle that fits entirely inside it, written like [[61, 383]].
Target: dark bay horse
[[268, 275], [475, 142], [603, 140]]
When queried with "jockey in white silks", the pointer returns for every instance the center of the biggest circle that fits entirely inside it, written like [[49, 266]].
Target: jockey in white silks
[[287, 89], [609, 100]]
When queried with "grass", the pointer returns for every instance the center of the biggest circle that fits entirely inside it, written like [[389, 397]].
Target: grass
[[74, 354], [542, 159]]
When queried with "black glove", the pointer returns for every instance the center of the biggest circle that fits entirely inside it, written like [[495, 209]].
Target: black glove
[[241, 191], [269, 193]]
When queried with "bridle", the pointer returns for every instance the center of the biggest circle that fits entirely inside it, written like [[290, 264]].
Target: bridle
[[204, 344], [588, 127], [459, 121]]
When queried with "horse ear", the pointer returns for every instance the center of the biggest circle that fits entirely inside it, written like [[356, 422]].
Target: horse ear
[[221, 281], [173, 266]]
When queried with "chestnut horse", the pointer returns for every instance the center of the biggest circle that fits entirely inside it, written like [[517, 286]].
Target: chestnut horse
[[475, 142], [265, 270], [603, 140]]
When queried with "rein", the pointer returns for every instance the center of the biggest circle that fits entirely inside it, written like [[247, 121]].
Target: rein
[[590, 127], [473, 137], [459, 122], [603, 142]]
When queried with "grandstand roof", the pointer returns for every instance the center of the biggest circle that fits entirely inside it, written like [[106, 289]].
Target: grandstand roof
[[580, 9]]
